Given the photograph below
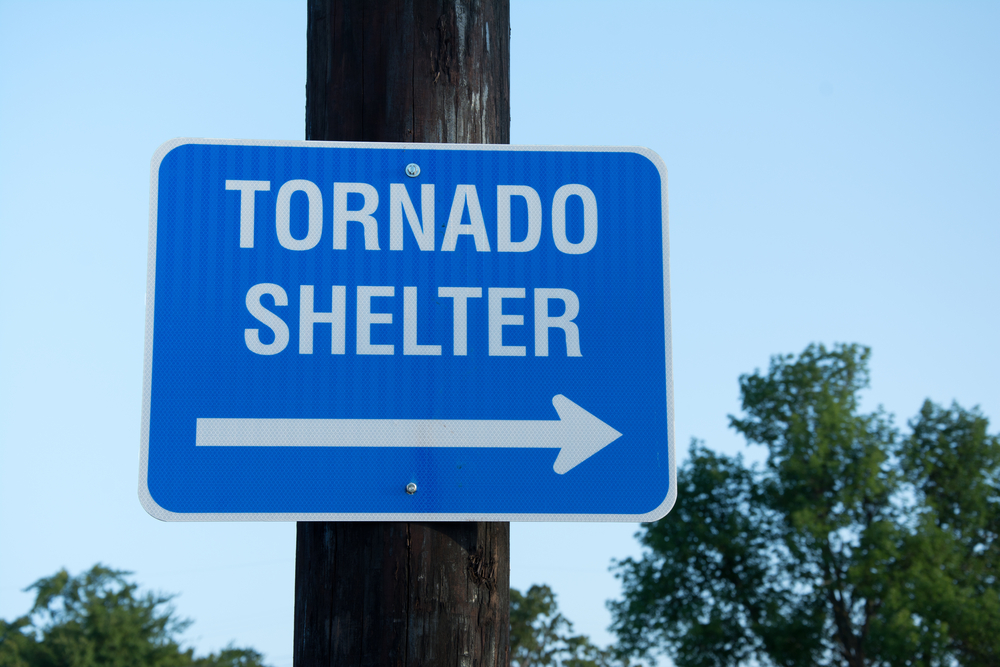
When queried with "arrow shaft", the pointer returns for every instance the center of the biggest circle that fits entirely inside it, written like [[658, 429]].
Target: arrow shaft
[[382, 433]]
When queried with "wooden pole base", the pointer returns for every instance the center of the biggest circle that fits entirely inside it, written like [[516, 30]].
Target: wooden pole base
[[402, 594]]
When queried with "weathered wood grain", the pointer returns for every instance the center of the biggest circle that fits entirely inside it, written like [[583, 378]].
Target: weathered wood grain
[[406, 594], [408, 70], [385, 593]]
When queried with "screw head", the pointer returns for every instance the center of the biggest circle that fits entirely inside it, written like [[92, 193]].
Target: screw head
[[412, 170], [411, 488]]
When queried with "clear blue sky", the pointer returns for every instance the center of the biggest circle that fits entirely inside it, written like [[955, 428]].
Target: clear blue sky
[[834, 176]]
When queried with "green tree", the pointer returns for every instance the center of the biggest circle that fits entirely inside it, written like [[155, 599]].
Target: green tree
[[952, 558], [99, 618], [852, 546], [541, 635]]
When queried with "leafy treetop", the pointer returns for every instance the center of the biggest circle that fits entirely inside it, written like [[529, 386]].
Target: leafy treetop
[[99, 618], [853, 545], [541, 635]]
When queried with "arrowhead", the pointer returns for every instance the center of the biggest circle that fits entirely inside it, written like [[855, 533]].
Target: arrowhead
[[587, 433]]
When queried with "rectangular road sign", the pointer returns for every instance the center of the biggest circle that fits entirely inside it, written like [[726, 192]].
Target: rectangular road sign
[[399, 332]]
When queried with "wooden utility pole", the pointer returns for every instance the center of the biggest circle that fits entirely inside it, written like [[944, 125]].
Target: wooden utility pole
[[405, 593]]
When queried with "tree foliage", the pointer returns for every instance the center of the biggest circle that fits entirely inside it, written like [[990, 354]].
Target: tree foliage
[[99, 618], [953, 467], [852, 546], [541, 635]]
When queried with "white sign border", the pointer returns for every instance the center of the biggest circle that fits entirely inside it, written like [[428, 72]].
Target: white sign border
[[158, 512]]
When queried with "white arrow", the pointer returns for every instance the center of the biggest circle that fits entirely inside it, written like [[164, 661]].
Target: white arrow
[[577, 433]]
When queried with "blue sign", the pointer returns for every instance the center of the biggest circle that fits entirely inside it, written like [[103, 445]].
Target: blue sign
[[348, 331]]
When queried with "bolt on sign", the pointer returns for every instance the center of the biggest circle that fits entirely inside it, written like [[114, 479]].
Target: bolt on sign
[[375, 331]]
